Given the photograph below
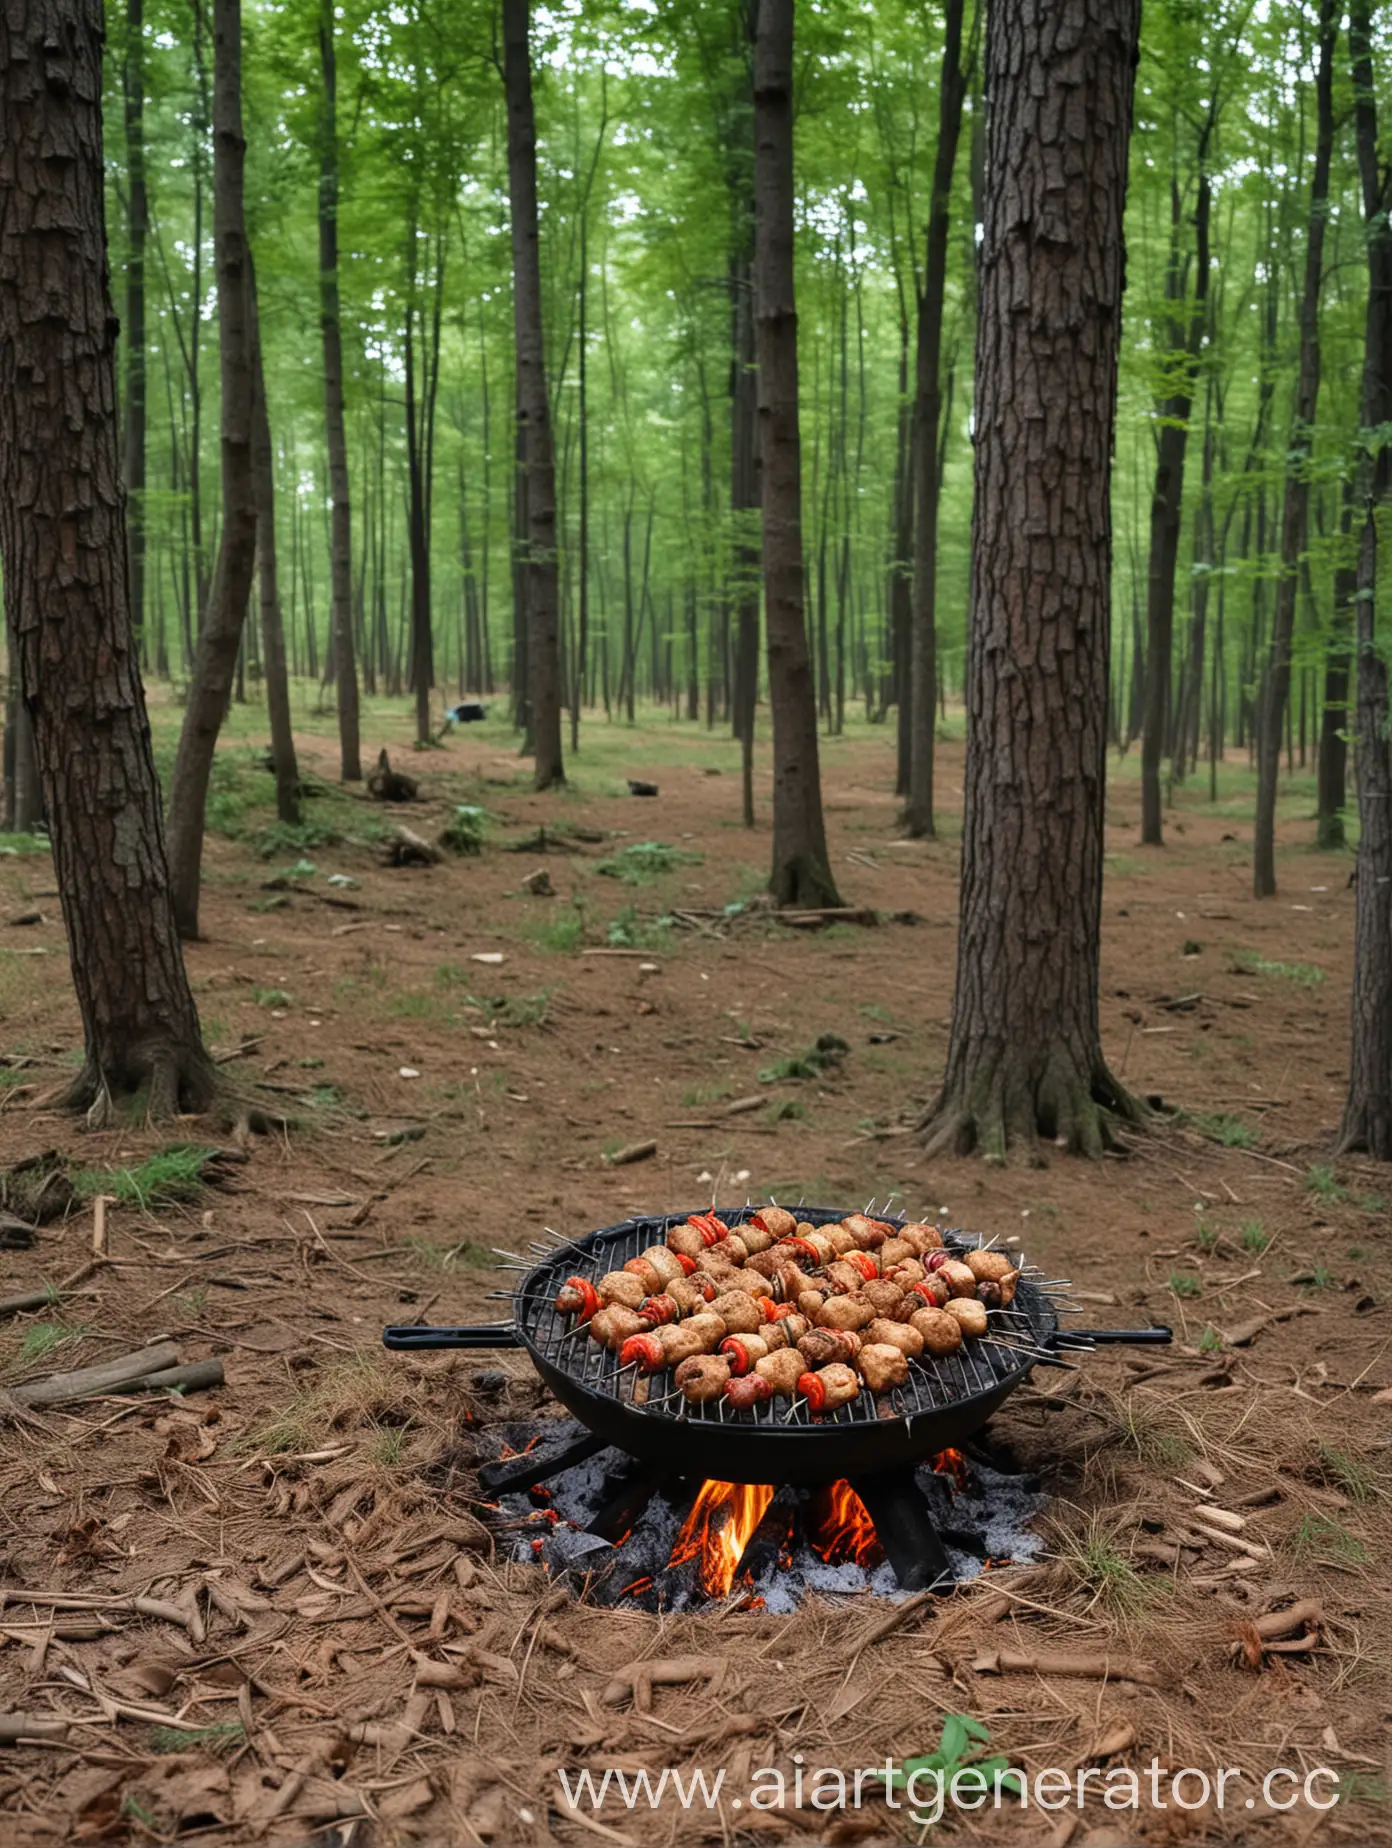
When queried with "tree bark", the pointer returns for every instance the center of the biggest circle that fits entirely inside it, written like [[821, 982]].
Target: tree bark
[[63, 553], [537, 445], [927, 475], [1367, 1119], [1332, 765], [336, 439], [744, 417], [1296, 517], [801, 872], [215, 657], [138, 214], [1167, 498], [287, 771], [1024, 1056]]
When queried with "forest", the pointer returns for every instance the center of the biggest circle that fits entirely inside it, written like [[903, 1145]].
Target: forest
[[695, 921]]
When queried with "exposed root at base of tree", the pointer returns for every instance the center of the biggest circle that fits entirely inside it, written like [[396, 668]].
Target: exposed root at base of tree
[[174, 1084], [1367, 1131], [995, 1104], [803, 883]]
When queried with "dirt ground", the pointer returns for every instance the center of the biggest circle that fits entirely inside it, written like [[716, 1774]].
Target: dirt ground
[[348, 1660]]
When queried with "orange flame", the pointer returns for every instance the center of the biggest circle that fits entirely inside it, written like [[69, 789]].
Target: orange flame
[[953, 1463], [843, 1533], [718, 1529]]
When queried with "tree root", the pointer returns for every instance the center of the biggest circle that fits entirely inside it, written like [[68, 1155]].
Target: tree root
[[1000, 1106], [804, 884], [175, 1085]]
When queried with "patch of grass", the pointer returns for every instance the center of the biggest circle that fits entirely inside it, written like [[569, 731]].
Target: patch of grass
[[1255, 1237], [514, 1011], [464, 1256], [704, 1094], [323, 1097], [1210, 1341], [1372, 1203], [360, 1392], [1206, 1236], [1185, 1285], [220, 1738], [285, 837], [18, 845], [1320, 1539], [1321, 1181], [1102, 1570], [1318, 1277], [170, 1176], [41, 1339], [1232, 1132], [628, 931], [388, 1448], [826, 1055], [1308, 975], [272, 997], [464, 831], [1145, 1431], [787, 1110], [1348, 1470], [644, 861], [414, 1005], [562, 933]]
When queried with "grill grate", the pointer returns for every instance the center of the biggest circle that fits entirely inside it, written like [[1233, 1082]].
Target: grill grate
[[977, 1367]]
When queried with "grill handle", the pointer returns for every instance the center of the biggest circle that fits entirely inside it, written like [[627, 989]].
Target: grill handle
[[1160, 1336], [489, 1335]]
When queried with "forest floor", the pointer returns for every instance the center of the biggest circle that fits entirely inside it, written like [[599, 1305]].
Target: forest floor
[[315, 1519]]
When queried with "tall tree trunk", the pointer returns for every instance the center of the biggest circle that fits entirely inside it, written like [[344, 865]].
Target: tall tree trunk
[[1295, 521], [744, 479], [215, 657], [422, 639], [287, 771], [1024, 1057], [923, 644], [1367, 1119], [533, 405], [1332, 772], [336, 439], [801, 871], [133, 98], [1184, 337], [63, 554]]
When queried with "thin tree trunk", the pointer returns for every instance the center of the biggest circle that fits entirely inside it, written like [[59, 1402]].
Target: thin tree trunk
[[801, 871], [63, 556], [287, 772], [1332, 772], [923, 644], [1295, 523], [533, 404], [1184, 338], [335, 434], [215, 657], [1024, 1057], [1367, 1119]]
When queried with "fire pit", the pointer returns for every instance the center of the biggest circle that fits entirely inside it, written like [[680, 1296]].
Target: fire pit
[[874, 1445]]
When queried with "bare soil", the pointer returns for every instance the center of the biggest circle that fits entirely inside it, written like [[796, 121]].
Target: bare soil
[[354, 1661]]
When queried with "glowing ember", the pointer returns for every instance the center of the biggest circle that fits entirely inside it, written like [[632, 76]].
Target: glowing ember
[[718, 1529], [842, 1533], [953, 1463]]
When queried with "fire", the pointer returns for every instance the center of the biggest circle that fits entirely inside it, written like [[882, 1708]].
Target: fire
[[718, 1529], [953, 1463], [842, 1532]]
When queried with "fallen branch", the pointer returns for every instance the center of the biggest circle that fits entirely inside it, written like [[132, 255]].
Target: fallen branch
[[640, 1678], [1246, 1332], [27, 1728], [50, 1293], [186, 1616], [1089, 1668], [636, 1151], [85, 1382]]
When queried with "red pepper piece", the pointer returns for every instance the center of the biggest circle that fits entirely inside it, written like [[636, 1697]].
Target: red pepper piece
[[813, 1389]]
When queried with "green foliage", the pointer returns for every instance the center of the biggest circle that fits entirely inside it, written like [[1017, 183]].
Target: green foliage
[[171, 1176], [220, 1738], [1321, 1181], [1232, 1132], [825, 1056], [959, 1766], [464, 832], [17, 846], [1185, 1284], [628, 931], [41, 1339], [513, 1011], [1321, 1539], [1255, 1237], [1305, 974], [644, 861], [282, 837]]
